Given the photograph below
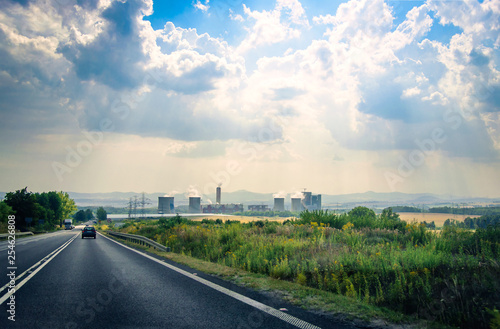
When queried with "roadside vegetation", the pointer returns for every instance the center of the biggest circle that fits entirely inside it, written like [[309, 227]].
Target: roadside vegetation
[[44, 211], [451, 276]]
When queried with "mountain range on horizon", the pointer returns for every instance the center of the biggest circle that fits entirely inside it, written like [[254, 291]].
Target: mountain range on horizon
[[121, 199]]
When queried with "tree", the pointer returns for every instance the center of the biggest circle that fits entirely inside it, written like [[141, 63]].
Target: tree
[[101, 214], [68, 206], [5, 211], [89, 215], [362, 212], [388, 214], [79, 216], [24, 204], [50, 207], [55, 204]]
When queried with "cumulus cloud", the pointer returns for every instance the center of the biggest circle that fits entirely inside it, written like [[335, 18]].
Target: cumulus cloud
[[282, 23], [202, 6], [477, 19], [359, 78]]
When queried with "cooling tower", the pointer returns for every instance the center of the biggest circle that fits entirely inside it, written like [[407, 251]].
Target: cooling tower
[[194, 205], [297, 204], [166, 205], [279, 204]]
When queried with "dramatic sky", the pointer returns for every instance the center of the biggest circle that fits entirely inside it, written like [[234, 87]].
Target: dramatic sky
[[267, 96]]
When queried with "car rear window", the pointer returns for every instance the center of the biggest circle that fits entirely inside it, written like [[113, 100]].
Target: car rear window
[[89, 229]]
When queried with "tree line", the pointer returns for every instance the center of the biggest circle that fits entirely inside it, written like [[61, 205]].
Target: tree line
[[475, 223], [87, 215], [450, 210], [42, 210]]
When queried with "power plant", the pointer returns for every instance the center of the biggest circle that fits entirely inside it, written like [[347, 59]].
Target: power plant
[[297, 204], [300, 201], [279, 204], [166, 205], [310, 201], [219, 208], [194, 204]]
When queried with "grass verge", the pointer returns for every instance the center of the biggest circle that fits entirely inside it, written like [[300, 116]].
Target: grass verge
[[345, 309]]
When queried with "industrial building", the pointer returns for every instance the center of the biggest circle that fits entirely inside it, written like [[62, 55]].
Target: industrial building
[[310, 201], [316, 202], [297, 204], [259, 207], [166, 205], [222, 208], [194, 205], [279, 204], [219, 208]]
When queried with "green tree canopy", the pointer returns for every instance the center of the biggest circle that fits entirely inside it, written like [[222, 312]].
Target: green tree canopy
[[68, 206], [362, 212], [101, 214], [79, 216], [5, 211], [53, 207], [89, 215], [388, 214], [24, 204]]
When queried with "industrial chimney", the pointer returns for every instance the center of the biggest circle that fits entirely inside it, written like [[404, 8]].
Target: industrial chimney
[[218, 193]]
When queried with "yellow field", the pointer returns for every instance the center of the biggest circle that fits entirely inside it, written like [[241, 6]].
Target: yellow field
[[438, 219]]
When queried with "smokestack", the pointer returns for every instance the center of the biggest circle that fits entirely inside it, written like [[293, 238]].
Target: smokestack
[[195, 205], [279, 204], [218, 193]]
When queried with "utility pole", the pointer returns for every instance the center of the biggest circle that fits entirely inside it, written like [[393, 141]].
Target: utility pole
[[130, 204], [143, 203], [135, 205]]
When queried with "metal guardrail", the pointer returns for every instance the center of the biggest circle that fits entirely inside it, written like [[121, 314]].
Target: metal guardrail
[[139, 240], [5, 235]]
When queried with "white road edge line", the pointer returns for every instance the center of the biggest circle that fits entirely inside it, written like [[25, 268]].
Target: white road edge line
[[263, 307], [20, 284]]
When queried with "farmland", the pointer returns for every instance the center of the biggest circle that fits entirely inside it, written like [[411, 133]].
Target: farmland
[[449, 278], [437, 218]]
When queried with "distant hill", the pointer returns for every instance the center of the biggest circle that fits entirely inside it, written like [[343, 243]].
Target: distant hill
[[370, 199]]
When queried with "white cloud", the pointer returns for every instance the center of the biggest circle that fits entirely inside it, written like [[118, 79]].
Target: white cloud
[[203, 7], [283, 23], [478, 19], [236, 17], [364, 90], [410, 92]]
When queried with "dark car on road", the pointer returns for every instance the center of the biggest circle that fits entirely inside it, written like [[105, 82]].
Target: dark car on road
[[88, 231]]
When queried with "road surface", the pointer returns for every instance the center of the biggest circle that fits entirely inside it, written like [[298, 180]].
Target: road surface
[[64, 281]]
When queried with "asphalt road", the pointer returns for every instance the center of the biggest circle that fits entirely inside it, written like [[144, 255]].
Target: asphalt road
[[64, 281]]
